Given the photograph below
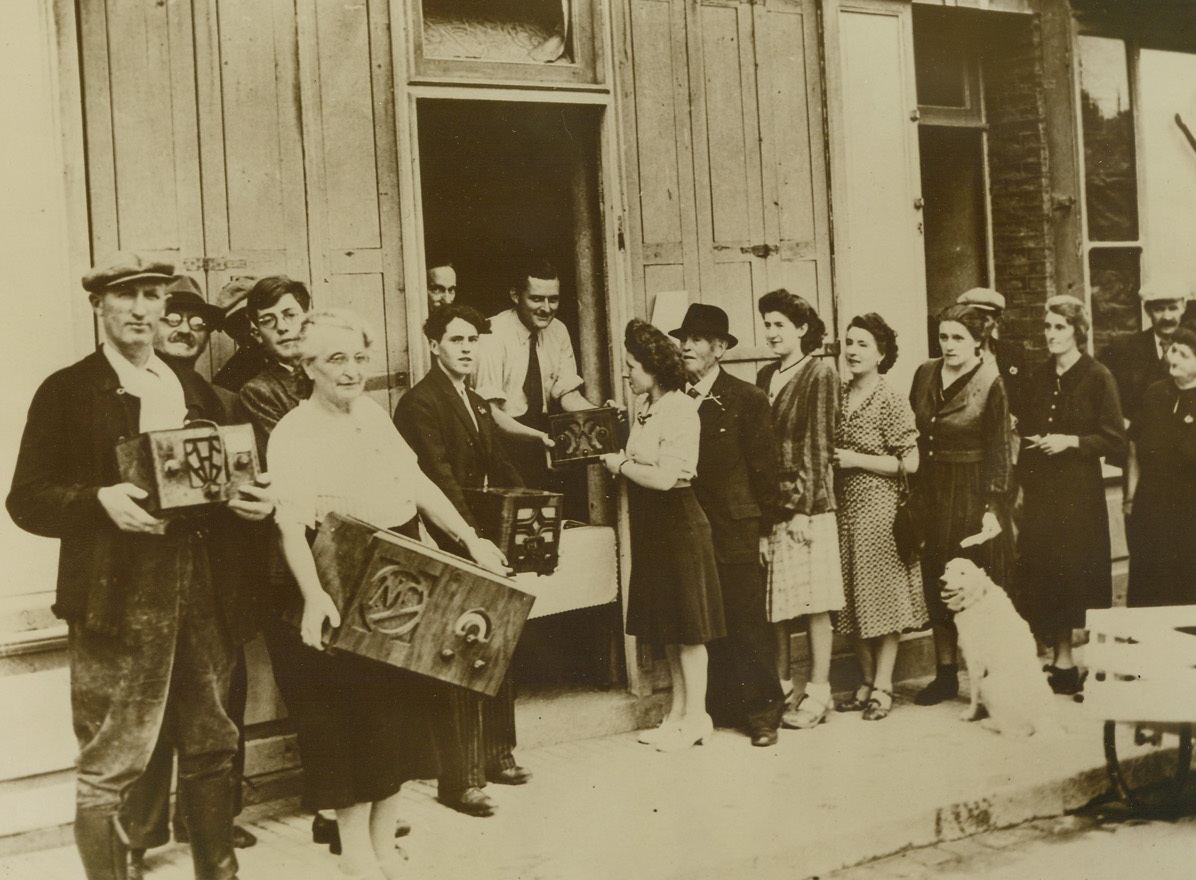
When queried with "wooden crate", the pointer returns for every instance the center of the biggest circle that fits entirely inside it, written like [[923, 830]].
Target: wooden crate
[[582, 436], [418, 608], [524, 523], [1142, 664], [186, 468]]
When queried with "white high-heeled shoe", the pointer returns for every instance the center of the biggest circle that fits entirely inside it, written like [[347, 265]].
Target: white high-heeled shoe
[[687, 735], [652, 735]]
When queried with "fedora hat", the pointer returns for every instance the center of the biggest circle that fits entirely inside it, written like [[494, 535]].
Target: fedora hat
[[709, 322], [183, 294]]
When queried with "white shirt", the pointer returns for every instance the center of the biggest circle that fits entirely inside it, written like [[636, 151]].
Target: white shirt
[[357, 464], [155, 385], [459, 387], [502, 362], [671, 429], [704, 384]]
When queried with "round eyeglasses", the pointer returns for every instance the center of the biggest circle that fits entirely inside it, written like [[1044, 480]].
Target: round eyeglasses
[[195, 322]]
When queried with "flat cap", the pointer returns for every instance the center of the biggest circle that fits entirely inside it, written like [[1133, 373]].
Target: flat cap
[[183, 293], [982, 298], [232, 296], [121, 268]]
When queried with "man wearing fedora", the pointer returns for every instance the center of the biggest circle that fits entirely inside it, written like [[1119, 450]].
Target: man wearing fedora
[[151, 604], [181, 339], [735, 483], [1139, 360]]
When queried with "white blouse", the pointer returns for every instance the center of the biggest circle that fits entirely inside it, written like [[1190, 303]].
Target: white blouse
[[357, 464], [670, 428]]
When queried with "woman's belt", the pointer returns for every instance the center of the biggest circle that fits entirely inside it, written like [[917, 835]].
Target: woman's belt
[[956, 456]]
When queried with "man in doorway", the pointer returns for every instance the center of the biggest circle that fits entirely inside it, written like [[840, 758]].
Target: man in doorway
[[182, 336], [1140, 360], [735, 483], [1009, 356], [151, 604], [442, 284], [453, 432], [275, 306], [248, 360], [526, 367]]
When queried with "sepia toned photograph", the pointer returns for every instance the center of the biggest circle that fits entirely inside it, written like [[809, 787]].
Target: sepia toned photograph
[[598, 439]]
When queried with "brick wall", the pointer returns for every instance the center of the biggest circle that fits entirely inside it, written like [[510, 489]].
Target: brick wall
[[1018, 175]]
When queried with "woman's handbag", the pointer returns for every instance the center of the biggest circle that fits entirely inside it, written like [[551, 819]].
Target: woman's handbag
[[907, 530]]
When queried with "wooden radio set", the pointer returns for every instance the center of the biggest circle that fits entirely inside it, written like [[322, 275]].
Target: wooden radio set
[[581, 437], [186, 468], [525, 524], [418, 608]]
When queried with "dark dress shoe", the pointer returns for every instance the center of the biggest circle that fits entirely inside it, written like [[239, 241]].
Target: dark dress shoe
[[471, 802], [327, 832], [512, 776], [243, 838], [764, 737], [137, 870]]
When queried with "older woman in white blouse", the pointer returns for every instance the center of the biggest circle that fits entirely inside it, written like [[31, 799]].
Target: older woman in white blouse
[[361, 735], [674, 597]]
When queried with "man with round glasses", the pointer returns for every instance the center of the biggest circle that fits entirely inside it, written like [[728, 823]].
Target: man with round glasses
[[184, 330]]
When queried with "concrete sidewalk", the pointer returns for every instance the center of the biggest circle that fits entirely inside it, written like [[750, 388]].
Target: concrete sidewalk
[[823, 799]]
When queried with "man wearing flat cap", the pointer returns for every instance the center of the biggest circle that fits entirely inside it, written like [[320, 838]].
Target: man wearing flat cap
[[151, 604], [735, 483], [1010, 357], [1139, 360], [249, 359]]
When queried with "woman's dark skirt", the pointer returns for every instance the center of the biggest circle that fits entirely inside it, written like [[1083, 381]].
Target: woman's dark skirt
[[362, 725], [674, 597]]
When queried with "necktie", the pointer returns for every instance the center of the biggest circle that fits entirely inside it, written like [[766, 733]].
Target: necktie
[[694, 393], [533, 384]]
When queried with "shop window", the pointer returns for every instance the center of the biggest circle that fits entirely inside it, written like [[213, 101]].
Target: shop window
[[1111, 224]]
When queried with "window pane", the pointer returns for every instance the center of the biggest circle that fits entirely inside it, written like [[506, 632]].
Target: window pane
[[940, 69], [1115, 276], [1110, 183]]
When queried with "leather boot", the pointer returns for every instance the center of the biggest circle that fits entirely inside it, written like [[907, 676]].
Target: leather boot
[[206, 805], [104, 854]]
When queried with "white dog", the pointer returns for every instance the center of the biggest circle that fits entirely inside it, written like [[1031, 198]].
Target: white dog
[[1002, 658]]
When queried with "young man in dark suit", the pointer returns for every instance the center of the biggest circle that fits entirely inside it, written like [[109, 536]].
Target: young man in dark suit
[[453, 432], [735, 482]]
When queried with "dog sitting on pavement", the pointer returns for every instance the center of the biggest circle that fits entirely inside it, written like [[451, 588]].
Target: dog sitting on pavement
[[1004, 675]]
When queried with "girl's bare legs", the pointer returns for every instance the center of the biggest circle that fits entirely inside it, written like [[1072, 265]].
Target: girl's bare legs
[[357, 850], [383, 818]]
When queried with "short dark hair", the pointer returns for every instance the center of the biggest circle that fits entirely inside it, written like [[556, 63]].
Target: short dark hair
[[536, 267], [436, 260], [269, 290], [656, 353], [800, 312], [1074, 312], [885, 336], [442, 316], [974, 320], [1185, 334]]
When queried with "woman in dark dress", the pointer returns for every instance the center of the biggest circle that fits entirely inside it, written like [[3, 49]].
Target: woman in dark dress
[[964, 474], [674, 597], [1071, 420], [1161, 492]]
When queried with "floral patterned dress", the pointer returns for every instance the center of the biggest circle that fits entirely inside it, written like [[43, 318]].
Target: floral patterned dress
[[884, 595]]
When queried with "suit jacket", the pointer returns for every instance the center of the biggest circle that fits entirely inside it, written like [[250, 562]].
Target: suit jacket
[[269, 396], [736, 480], [1135, 364], [453, 453], [67, 454]]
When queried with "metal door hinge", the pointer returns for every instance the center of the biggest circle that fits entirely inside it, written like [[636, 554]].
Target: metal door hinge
[[759, 250], [211, 264]]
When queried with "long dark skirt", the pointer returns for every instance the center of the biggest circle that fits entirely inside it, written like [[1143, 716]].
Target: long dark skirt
[[363, 726], [1162, 541], [951, 503], [675, 598]]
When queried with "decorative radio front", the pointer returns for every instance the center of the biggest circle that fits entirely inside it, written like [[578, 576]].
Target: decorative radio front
[[582, 436], [185, 468], [418, 608], [524, 523]]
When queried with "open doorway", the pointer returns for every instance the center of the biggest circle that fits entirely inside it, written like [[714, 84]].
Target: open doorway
[[501, 182]]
